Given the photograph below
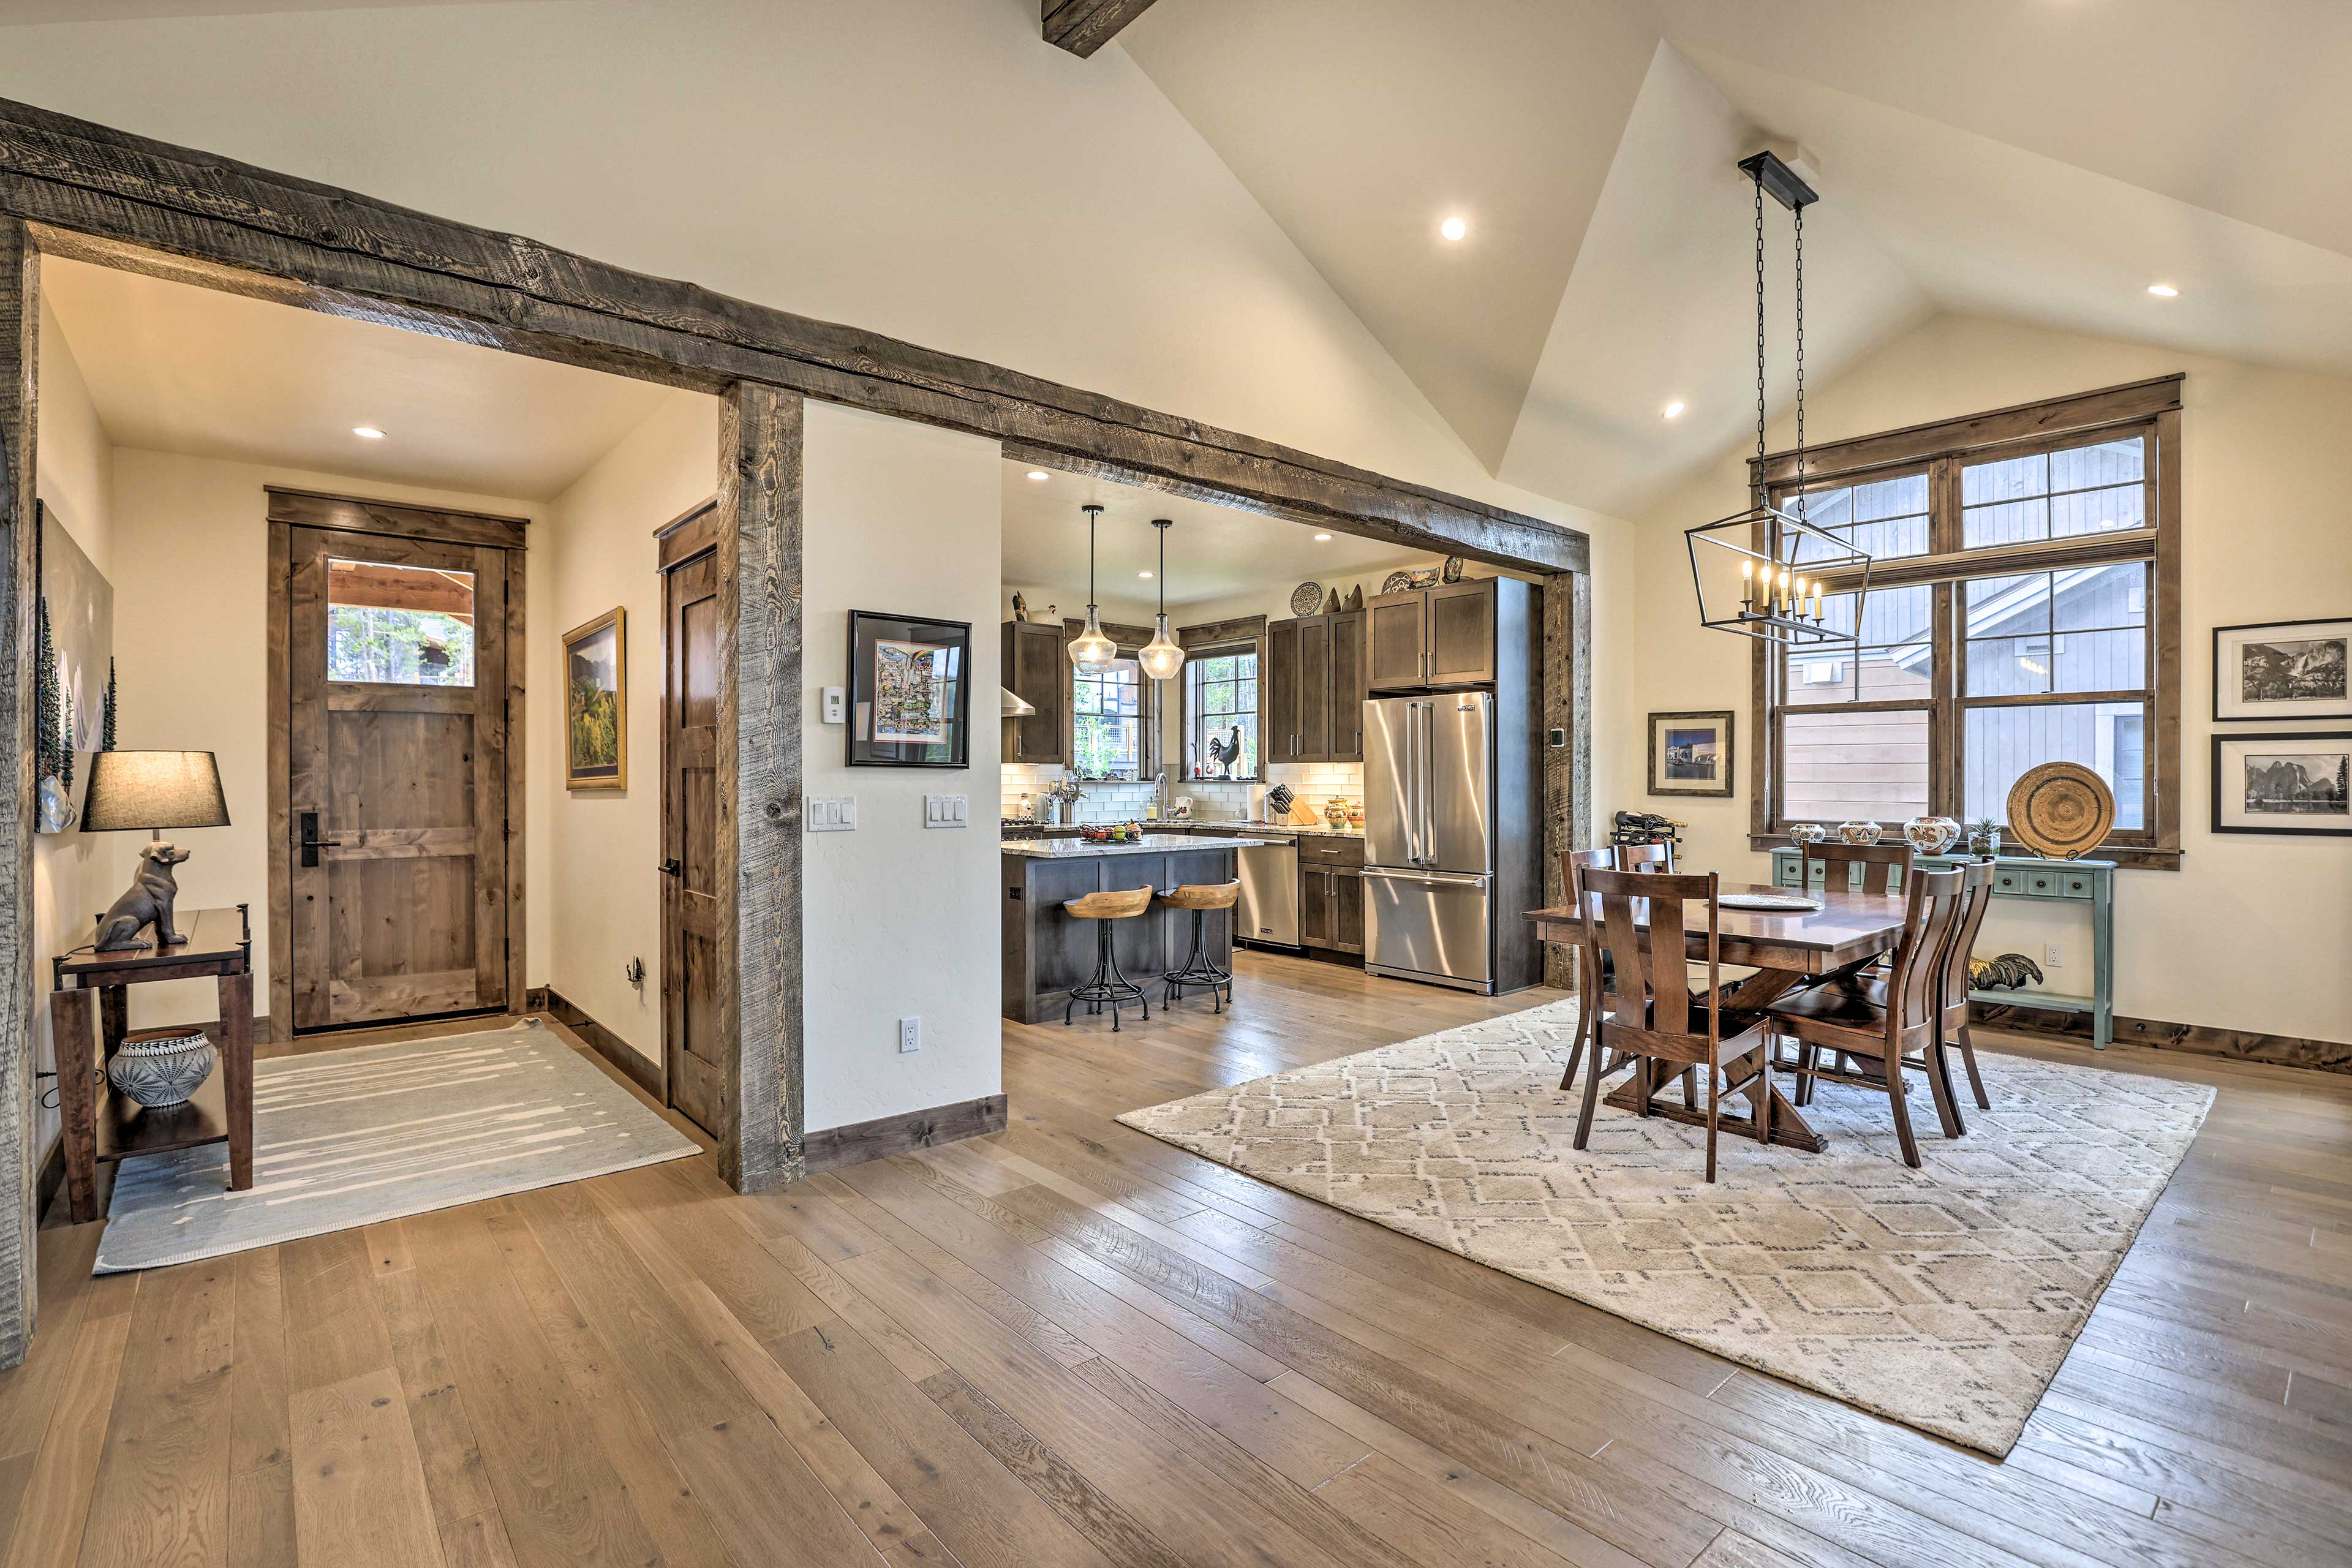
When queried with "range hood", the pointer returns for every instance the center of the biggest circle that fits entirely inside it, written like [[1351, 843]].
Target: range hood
[[1014, 707]]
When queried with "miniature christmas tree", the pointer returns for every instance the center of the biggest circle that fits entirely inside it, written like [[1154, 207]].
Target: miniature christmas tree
[[46, 714], [106, 721]]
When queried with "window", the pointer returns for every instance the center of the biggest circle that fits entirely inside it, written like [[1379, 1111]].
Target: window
[[1107, 709], [402, 626], [2017, 614], [1220, 712]]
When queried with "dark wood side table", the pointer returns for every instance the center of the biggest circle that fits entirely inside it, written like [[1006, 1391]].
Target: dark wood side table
[[99, 1124]]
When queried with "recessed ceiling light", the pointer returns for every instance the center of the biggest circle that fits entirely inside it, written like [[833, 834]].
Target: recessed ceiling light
[[1037, 474], [1674, 410], [2163, 290], [1143, 573], [1453, 228], [367, 432], [1322, 538]]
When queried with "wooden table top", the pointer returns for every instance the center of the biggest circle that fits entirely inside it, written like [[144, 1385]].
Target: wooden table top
[[1848, 926], [213, 936]]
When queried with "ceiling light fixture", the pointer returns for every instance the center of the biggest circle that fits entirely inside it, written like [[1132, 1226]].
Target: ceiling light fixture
[[1453, 228], [1162, 658], [2164, 290], [1674, 410], [1039, 474], [367, 432], [1090, 650], [1322, 538], [1767, 540], [1145, 575]]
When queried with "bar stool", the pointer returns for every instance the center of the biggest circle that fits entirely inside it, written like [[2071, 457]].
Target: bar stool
[[1106, 984], [1199, 968]]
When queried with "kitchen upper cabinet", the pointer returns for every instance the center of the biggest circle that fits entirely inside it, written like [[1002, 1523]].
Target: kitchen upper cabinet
[[1436, 637], [1314, 690], [1036, 667]]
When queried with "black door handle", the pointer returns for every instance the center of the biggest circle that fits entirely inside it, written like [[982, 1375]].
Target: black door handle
[[311, 842], [672, 868]]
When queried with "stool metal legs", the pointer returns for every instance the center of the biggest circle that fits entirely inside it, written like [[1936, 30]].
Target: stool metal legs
[[1198, 969], [1106, 984]]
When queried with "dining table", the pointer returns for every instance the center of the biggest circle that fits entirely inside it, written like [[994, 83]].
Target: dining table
[[1786, 949]]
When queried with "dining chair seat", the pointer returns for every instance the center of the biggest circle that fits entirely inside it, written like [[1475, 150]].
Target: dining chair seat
[[1859, 1007]]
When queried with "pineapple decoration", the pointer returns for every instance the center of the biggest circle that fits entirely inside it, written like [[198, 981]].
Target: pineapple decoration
[[53, 735]]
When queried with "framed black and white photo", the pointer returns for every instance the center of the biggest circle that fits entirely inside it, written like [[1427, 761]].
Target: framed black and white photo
[[909, 698], [1690, 753], [2291, 781], [2283, 669]]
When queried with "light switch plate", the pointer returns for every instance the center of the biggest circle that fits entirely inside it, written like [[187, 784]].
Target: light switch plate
[[946, 810], [832, 814]]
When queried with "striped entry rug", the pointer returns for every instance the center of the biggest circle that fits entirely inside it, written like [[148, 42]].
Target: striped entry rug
[[349, 1138]]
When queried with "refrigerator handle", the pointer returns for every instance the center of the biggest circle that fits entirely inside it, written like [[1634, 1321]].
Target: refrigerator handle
[[1425, 785]]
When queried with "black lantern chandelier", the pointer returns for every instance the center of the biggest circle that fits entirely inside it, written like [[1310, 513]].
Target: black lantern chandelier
[[1783, 563]]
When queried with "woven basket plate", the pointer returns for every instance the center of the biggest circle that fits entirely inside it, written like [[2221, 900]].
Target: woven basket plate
[[2061, 810]]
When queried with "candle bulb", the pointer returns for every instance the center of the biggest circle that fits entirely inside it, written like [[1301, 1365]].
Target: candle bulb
[[1746, 587], [1782, 600]]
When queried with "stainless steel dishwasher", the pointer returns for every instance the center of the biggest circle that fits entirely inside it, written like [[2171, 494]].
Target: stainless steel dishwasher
[[1268, 915]]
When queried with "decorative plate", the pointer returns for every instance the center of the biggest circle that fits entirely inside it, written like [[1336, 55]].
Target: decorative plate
[[1307, 598], [2061, 810], [1453, 573], [1396, 582], [1777, 903]]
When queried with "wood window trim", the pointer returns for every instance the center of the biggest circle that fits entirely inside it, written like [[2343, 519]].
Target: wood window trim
[[1249, 629], [1940, 450]]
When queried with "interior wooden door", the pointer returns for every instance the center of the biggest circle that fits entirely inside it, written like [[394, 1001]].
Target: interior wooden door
[[690, 870], [397, 788]]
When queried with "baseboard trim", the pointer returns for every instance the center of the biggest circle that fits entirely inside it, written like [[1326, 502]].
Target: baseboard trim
[[635, 1064], [2193, 1039], [860, 1141]]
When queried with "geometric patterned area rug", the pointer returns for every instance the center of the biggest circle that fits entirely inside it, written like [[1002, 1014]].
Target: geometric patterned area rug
[[349, 1138], [1944, 1297]]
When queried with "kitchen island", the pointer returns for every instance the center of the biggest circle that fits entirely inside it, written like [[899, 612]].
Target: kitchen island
[[1046, 951]]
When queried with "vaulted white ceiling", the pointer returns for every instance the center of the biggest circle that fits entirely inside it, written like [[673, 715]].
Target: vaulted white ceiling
[[2038, 160]]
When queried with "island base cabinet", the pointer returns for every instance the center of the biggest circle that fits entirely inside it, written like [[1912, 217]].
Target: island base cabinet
[[1046, 951]]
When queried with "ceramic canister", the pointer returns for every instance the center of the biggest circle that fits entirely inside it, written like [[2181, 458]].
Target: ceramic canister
[[1859, 832]]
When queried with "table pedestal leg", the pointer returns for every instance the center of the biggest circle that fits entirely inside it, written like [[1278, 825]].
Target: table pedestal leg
[[236, 1070], [69, 1037]]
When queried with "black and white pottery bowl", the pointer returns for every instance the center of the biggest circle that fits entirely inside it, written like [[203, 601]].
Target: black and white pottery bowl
[[161, 1067]]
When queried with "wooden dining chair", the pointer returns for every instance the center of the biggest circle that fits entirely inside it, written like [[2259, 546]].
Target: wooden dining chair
[[1879, 862], [1885, 1024], [1953, 1005], [1588, 977], [1648, 1015], [1645, 857]]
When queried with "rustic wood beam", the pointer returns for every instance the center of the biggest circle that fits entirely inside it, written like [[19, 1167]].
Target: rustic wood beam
[[107, 195], [1082, 27], [20, 326]]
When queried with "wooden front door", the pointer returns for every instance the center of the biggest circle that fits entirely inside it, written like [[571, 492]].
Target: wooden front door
[[690, 870], [396, 787]]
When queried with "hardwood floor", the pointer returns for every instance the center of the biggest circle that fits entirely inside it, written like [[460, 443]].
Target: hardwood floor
[[1072, 1346]]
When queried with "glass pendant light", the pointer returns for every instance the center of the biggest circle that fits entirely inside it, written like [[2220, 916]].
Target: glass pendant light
[[1090, 649], [1161, 657]]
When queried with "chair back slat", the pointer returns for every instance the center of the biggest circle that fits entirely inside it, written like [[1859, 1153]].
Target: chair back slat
[[1931, 907], [1879, 862], [1976, 898], [1645, 857], [1649, 993]]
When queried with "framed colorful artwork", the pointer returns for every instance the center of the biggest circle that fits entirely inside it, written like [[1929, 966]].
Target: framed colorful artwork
[[910, 701], [1690, 753], [596, 703]]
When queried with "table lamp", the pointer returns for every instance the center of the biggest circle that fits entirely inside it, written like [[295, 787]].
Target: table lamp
[[153, 790]]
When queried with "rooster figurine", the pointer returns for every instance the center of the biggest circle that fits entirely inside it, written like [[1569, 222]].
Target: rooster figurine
[[1227, 753]]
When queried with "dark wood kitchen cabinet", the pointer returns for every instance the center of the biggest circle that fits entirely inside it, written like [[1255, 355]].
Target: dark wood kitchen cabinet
[[1036, 669], [1332, 908], [1315, 689], [1440, 637]]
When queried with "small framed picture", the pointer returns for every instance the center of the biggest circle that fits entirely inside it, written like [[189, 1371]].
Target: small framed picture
[[910, 701], [2296, 782], [1690, 753], [2283, 669], [596, 703]]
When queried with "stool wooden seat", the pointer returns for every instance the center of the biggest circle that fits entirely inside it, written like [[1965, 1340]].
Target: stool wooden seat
[[1199, 968], [1107, 985]]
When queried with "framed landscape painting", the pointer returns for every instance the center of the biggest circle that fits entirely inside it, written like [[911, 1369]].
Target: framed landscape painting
[[1690, 753], [596, 703], [2295, 782], [2283, 669], [909, 702]]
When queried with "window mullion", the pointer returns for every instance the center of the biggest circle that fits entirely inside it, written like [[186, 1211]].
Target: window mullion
[[1946, 766]]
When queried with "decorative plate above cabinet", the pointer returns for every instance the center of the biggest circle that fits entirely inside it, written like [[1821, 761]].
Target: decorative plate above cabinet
[[1307, 598]]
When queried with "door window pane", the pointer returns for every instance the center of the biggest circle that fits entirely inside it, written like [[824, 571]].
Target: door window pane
[[1838, 765], [402, 626], [2109, 738]]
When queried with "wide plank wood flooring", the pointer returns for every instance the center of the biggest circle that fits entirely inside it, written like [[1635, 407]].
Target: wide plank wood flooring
[[1071, 1346]]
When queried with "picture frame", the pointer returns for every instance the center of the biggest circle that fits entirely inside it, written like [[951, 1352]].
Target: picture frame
[[1691, 754], [596, 703], [2277, 782], [909, 692], [2271, 670]]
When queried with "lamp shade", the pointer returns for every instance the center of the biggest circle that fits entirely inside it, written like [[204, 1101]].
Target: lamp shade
[[153, 789]]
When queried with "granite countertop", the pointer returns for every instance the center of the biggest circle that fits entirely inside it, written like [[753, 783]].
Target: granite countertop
[[1320, 830], [1150, 844]]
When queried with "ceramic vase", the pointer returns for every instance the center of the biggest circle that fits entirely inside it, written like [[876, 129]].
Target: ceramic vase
[[161, 1067], [1859, 832], [1808, 833], [1931, 835]]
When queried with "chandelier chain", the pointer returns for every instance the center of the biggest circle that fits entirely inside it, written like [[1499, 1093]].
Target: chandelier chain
[[1759, 315], [1800, 362]]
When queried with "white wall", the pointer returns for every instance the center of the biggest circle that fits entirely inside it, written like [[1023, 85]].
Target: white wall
[[603, 904], [2250, 933], [191, 569], [73, 472], [900, 920]]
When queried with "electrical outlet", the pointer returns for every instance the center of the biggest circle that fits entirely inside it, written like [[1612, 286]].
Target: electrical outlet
[[910, 1035], [2052, 956]]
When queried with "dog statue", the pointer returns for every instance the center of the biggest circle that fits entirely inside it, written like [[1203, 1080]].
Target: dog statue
[[148, 899]]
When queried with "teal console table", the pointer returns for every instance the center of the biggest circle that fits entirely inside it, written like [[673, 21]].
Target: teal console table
[[2091, 882]]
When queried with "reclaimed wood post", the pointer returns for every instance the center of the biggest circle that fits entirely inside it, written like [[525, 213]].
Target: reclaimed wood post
[[20, 317]]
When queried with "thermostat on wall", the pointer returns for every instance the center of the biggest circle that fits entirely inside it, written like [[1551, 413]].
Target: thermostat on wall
[[836, 703]]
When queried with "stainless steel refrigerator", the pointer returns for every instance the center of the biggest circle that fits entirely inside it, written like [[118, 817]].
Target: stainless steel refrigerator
[[1430, 838]]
